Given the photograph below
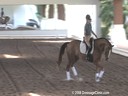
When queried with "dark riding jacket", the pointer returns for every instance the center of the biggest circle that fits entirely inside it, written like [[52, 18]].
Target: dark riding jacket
[[88, 28]]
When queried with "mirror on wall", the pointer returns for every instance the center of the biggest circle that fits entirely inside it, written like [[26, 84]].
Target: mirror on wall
[[32, 17], [46, 17]]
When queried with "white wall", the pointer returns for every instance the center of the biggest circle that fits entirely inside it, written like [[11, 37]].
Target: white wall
[[79, 31], [19, 15], [24, 12], [76, 19], [13, 2]]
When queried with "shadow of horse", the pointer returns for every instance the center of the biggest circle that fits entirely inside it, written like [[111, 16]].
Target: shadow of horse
[[102, 48]]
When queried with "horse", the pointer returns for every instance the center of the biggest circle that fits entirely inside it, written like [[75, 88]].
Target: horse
[[102, 48], [4, 20]]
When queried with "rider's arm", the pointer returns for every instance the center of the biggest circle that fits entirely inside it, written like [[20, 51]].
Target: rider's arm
[[94, 34]]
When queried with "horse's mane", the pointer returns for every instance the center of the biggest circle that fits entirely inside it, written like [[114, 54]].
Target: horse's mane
[[104, 39]]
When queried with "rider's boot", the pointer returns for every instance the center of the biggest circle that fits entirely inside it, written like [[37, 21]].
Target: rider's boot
[[87, 52]]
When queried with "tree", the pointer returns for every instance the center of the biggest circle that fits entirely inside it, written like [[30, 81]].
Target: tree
[[125, 12], [106, 15]]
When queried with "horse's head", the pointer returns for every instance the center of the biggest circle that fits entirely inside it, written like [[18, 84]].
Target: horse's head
[[103, 48], [4, 19], [108, 51]]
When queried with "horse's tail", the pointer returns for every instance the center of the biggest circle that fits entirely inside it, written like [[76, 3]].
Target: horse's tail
[[62, 50]]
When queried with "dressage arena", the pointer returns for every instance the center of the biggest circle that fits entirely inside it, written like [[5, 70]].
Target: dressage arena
[[29, 68]]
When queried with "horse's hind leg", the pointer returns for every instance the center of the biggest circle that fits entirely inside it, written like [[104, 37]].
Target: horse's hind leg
[[68, 68], [68, 72], [70, 65], [74, 71], [72, 60]]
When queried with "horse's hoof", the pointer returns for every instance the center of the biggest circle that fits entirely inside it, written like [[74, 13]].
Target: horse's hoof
[[79, 79], [97, 80]]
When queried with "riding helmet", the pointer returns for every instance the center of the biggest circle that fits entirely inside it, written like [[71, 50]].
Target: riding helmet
[[88, 17]]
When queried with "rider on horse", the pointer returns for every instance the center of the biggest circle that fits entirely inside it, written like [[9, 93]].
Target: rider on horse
[[87, 32], [4, 19]]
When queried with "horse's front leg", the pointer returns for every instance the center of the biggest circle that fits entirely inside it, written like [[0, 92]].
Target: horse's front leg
[[97, 78], [99, 72]]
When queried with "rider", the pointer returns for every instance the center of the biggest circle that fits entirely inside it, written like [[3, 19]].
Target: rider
[[2, 12], [88, 31]]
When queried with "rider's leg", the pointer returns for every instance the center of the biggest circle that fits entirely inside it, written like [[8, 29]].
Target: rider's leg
[[87, 38]]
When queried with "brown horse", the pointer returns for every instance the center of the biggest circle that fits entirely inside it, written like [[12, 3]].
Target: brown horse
[[102, 48], [4, 20]]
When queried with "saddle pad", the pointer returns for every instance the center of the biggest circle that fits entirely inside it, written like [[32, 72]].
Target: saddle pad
[[82, 47]]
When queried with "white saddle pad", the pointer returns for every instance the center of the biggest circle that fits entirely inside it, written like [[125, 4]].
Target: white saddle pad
[[82, 48]]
